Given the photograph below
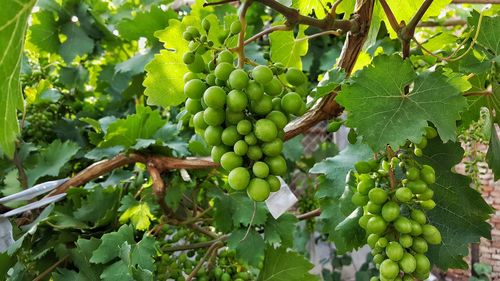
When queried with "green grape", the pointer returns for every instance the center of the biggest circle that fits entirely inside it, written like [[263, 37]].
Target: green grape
[[258, 189], [426, 195], [377, 195], [362, 167], [239, 178], [262, 74], [279, 119], [262, 106], [265, 130], [251, 139], [188, 57], [412, 174], [416, 228], [422, 144], [406, 240], [254, 90], [238, 79], [213, 117], [213, 135], [431, 234], [277, 165], [295, 76], [359, 199], [236, 101], [233, 118], [260, 169], [372, 239], [198, 65], [194, 88], [244, 127], [403, 225], [235, 27], [254, 152], [215, 97], [241, 148], [389, 269], [417, 186], [390, 211], [394, 251], [291, 103], [230, 161], [205, 23], [430, 133], [193, 106], [274, 87], [373, 208], [408, 263], [418, 216], [225, 56], [428, 204], [273, 148], [382, 242], [223, 70], [419, 245], [428, 174], [403, 194], [274, 183], [365, 186], [230, 136], [376, 225]]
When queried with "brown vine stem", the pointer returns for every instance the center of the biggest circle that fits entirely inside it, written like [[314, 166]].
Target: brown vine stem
[[481, 93], [390, 16], [241, 35], [206, 4], [319, 34], [392, 177], [50, 269], [211, 250], [450, 22], [309, 215], [195, 245]]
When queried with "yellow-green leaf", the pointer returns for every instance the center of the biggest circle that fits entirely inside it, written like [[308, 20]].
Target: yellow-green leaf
[[140, 215], [288, 49]]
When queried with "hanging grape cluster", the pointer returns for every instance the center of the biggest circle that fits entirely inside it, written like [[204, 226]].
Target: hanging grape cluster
[[242, 113], [395, 195]]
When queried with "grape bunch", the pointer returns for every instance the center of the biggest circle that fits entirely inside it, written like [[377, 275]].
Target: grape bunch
[[242, 113], [394, 213], [39, 122]]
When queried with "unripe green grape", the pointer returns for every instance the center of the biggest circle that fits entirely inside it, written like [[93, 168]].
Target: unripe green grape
[[199, 122], [238, 79], [408, 264], [394, 251], [352, 136], [365, 186], [205, 23], [418, 152], [213, 117], [265, 130], [276, 104], [407, 277], [193, 106], [359, 199], [417, 186], [198, 65], [389, 269], [416, 228], [273, 148], [428, 174], [377, 195], [244, 127], [403, 225], [279, 119], [254, 90], [334, 126], [428, 204], [382, 242], [258, 189], [239, 178], [373, 208], [274, 87], [426, 195], [422, 144], [262, 106], [418, 216], [412, 173], [372, 239], [378, 259], [230, 136], [195, 88], [291, 103], [251, 139], [431, 234], [376, 225], [230, 161], [430, 132], [188, 76], [390, 211], [419, 245], [262, 74], [240, 148], [386, 166], [277, 165], [363, 220], [235, 27], [188, 57], [210, 79], [225, 56], [423, 264], [403, 194], [274, 183], [187, 36], [406, 240], [233, 118], [295, 76], [223, 70], [215, 97], [254, 152], [236, 101], [193, 30], [213, 135], [217, 152], [260, 169]]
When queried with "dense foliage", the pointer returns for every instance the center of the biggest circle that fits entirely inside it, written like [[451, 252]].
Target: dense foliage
[[134, 104]]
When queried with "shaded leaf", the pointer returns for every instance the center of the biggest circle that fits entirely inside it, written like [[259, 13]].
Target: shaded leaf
[[283, 265]]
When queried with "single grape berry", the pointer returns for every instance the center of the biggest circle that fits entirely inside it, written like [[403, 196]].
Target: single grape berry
[[215, 97], [408, 264], [419, 245], [195, 88], [378, 195], [412, 173], [295, 76], [262, 74], [260, 169], [404, 194], [258, 189], [389, 269], [244, 127], [188, 57], [265, 130], [417, 186], [239, 178], [199, 122], [205, 23], [251, 139], [193, 106], [254, 90], [403, 225], [254, 152], [373, 208], [236, 101], [235, 27], [213, 117], [223, 70], [279, 119], [277, 165], [238, 79], [217, 152], [240, 148], [365, 186], [359, 199], [230, 161], [213, 135], [390, 211], [274, 183], [273, 87], [230, 136], [428, 174], [394, 251], [376, 225], [291, 103], [273, 148], [225, 56], [262, 106]]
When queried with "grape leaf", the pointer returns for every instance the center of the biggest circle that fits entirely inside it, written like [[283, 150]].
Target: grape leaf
[[78, 43], [280, 230], [283, 265], [493, 155], [249, 246], [51, 159], [116, 271], [13, 21], [294, 149], [99, 206], [243, 210], [43, 32], [288, 49], [143, 253], [381, 112], [319, 7], [109, 248], [140, 215], [460, 214], [164, 80], [145, 23], [141, 125], [336, 168], [488, 34]]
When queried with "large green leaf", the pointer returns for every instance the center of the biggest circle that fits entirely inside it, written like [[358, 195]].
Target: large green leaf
[[493, 155], [109, 248], [280, 230], [141, 125], [336, 168], [460, 214], [488, 34], [51, 159], [249, 245], [381, 112], [288, 49], [283, 265], [144, 24], [318, 7], [13, 20], [44, 32], [164, 81], [78, 43]]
